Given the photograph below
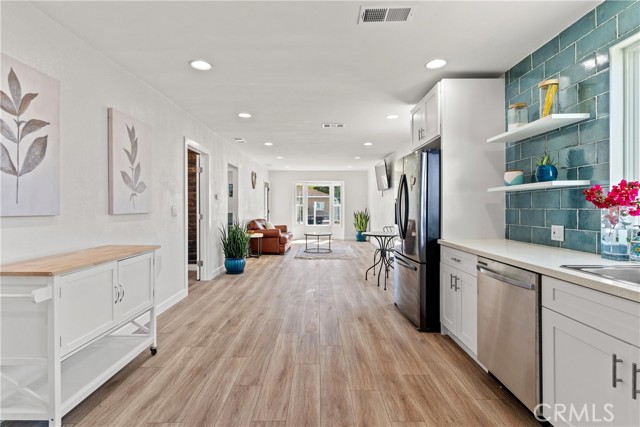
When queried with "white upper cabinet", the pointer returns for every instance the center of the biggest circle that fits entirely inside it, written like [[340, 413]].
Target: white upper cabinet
[[432, 114]]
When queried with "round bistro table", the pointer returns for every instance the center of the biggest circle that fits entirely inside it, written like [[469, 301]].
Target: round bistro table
[[383, 238]]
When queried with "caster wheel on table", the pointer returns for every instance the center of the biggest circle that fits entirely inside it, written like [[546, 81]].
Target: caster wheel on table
[[154, 350]]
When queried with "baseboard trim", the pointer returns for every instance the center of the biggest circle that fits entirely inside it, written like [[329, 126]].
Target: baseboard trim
[[171, 301], [160, 308]]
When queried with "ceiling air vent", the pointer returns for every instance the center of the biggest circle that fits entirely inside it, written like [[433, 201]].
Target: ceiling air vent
[[385, 14], [332, 125]]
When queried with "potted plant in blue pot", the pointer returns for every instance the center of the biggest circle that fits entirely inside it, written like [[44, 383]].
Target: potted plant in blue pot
[[235, 245], [546, 170], [361, 223]]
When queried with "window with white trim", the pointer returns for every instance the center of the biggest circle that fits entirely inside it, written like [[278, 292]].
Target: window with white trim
[[318, 203]]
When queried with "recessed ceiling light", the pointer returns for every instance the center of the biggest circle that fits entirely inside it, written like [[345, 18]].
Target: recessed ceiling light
[[200, 65], [279, 157], [357, 157], [349, 167], [368, 144], [244, 115], [392, 116], [287, 166], [268, 144], [435, 64]]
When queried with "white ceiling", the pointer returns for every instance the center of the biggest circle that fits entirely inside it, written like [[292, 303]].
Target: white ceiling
[[294, 65]]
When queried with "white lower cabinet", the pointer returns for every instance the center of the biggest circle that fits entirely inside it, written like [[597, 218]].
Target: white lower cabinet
[[589, 376], [459, 297], [63, 326]]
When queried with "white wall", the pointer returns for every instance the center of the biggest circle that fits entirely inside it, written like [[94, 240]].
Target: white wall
[[282, 197], [89, 84]]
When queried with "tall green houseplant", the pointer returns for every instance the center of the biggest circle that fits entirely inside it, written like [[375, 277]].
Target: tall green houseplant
[[235, 245], [361, 223]]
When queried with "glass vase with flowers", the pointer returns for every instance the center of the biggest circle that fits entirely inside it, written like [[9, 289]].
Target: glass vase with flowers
[[616, 209]]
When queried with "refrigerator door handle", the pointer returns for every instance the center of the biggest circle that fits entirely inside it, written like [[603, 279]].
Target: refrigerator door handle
[[405, 197], [399, 207]]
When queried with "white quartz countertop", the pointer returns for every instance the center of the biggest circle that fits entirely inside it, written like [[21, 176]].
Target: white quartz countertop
[[547, 260]]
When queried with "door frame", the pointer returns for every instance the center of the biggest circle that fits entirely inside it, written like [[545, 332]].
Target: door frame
[[205, 228], [266, 191]]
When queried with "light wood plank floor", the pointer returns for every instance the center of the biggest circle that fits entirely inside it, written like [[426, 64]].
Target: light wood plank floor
[[294, 343]]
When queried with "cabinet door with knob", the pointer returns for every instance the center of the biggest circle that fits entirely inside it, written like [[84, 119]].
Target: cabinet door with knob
[[459, 296], [448, 298], [417, 124], [134, 285], [590, 371], [87, 305]]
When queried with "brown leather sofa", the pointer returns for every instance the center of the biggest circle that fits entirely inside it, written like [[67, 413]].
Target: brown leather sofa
[[274, 241]]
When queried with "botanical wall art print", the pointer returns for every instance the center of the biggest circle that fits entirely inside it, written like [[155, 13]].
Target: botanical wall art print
[[129, 165], [30, 141]]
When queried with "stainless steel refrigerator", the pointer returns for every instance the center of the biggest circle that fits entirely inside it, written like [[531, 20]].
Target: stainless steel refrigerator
[[417, 253]]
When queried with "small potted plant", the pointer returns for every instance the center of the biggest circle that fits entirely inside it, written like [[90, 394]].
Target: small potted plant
[[546, 170], [361, 222], [235, 245]]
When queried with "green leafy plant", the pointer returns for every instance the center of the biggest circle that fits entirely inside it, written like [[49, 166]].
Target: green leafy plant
[[361, 220], [545, 159], [17, 106], [235, 241]]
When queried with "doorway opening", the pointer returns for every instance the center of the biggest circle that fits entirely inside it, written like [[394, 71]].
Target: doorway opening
[[267, 201], [196, 211], [232, 212]]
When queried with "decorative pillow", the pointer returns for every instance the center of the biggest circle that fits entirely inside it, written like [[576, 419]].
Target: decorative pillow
[[270, 226]]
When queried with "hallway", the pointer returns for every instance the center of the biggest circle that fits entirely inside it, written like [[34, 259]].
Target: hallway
[[298, 343]]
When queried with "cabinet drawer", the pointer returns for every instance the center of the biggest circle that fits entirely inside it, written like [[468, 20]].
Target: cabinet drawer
[[615, 316], [461, 260]]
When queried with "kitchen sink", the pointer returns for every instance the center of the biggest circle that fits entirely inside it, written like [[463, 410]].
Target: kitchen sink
[[621, 273]]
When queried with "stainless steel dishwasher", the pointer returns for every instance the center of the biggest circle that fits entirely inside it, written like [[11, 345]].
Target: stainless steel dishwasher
[[508, 328]]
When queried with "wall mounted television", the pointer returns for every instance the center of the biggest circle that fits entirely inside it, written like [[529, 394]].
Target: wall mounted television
[[382, 176]]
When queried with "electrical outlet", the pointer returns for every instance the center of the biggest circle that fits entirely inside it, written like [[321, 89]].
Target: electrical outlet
[[557, 233]]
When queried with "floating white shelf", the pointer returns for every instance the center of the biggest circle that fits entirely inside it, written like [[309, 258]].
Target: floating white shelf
[[540, 126], [540, 185]]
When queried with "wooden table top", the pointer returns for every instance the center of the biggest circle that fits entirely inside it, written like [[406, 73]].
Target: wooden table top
[[64, 263]]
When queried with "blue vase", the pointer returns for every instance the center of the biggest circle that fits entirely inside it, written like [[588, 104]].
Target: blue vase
[[546, 173], [360, 237], [234, 265]]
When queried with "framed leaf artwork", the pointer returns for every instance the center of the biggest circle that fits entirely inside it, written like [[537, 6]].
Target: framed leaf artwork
[[129, 165], [30, 141]]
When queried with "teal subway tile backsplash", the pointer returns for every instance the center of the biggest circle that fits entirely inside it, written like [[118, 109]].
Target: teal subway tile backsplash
[[594, 130], [609, 9], [602, 151], [532, 217], [579, 58], [573, 157], [548, 199], [520, 233], [597, 38], [542, 236], [578, 71], [629, 19], [589, 219], [580, 240], [565, 217], [520, 69], [579, 29], [567, 137], [593, 86], [545, 52], [560, 62]]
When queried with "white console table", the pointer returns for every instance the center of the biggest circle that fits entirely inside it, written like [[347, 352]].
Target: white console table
[[70, 322]]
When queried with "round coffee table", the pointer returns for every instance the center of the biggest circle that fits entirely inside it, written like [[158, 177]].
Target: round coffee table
[[318, 249]]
